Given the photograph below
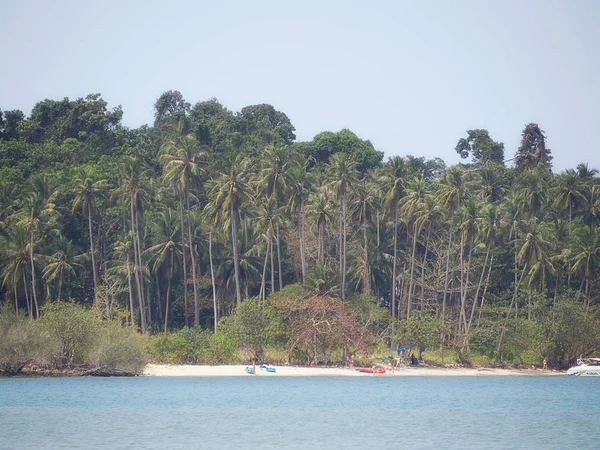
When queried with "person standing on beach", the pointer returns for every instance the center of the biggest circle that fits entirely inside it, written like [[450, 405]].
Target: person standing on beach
[[545, 364]]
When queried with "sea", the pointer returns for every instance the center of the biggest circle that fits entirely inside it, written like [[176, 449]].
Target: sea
[[491, 412]]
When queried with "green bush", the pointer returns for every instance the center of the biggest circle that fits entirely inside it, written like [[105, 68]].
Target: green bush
[[191, 346], [20, 342], [118, 349], [74, 330]]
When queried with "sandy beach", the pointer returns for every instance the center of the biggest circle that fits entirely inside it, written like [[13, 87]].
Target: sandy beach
[[295, 371]]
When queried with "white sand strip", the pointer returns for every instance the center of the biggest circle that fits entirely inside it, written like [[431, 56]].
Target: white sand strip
[[163, 370]]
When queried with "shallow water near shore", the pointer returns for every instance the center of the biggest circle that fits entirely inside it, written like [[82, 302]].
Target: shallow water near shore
[[300, 412]]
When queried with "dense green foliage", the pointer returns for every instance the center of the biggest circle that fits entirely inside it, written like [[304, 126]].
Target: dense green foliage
[[202, 217], [68, 336]]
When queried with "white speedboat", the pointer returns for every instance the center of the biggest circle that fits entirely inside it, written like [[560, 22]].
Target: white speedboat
[[590, 367]]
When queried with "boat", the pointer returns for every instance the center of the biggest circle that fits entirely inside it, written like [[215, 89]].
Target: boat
[[589, 368], [269, 369]]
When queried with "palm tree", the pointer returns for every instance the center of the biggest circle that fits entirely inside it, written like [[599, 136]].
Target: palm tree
[[320, 211], [450, 197], [166, 250], [394, 192], [300, 184], [364, 209], [530, 193], [122, 251], [229, 192], [268, 217], [87, 188], [568, 192], [133, 193], [411, 205], [63, 264], [587, 256], [591, 206], [16, 264], [180, 156], [274, 182], [38, 215]]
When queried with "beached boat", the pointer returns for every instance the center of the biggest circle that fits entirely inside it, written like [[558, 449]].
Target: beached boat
[[590, 367]]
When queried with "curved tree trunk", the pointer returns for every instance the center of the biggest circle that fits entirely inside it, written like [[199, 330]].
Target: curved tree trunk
[[196, 299], [130, 291], [136, 268], [302, 257], [236, 254], [412, 270], [34, 295], [94, 272], [446, 285], [212, 280], [394, 262], [184, 260], [167, 300]]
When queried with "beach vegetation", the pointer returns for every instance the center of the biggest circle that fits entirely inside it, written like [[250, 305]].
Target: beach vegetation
[[210, 218]]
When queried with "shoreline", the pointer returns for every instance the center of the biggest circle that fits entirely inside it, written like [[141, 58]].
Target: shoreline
[[166, 370]]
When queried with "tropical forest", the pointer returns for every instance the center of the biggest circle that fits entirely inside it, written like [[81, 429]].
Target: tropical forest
[[216, 237]]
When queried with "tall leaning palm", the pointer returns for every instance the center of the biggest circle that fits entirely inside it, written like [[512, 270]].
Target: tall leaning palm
[[274, 182], [87, 188], [300, 184], [38, 215], [228, 193], [181, 156], [343, 175], [394, 187], [587, 256]]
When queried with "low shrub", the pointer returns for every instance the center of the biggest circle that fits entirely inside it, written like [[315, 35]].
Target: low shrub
[[117, 350]]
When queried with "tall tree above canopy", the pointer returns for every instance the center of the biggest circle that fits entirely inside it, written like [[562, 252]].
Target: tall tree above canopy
[[267, 124], [533, 152], [56, 121], [170, 107], [9, 125], [481, 147], [325, 145]]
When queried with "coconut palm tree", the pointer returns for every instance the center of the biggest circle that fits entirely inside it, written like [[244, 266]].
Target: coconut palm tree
[[364, 208], [181, 156], [165, 252], [587, 256], [300, 184], [274, 180], [228, 194], [63, 264], [86, 190], [568, 193], [320, 211], [393, 182], [38, 215], [343, 175]]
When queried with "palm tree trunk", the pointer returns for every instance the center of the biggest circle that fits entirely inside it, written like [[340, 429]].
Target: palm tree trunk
[[423, 267], [366, 278], [446, 286], [270, 237], [302, 257], [344, 246], [94, 273], [184, 259], [279, 272], [487, 282], [34, 295], [412, 270], [16, 301], [212, 280], [322, 242], [196, 299], [263, 282], [500, 341], [395, 238], [136, 266], [130, 291], [29, 305], [468, 329], [236, 254], [167, 300]]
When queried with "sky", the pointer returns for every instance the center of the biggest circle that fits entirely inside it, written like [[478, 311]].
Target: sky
[[409, 76]]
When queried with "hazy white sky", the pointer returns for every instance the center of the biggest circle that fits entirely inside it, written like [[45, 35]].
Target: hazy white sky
[[410, 76]]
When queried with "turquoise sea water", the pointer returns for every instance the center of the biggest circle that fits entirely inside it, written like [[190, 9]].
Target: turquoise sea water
[[300, 412]]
